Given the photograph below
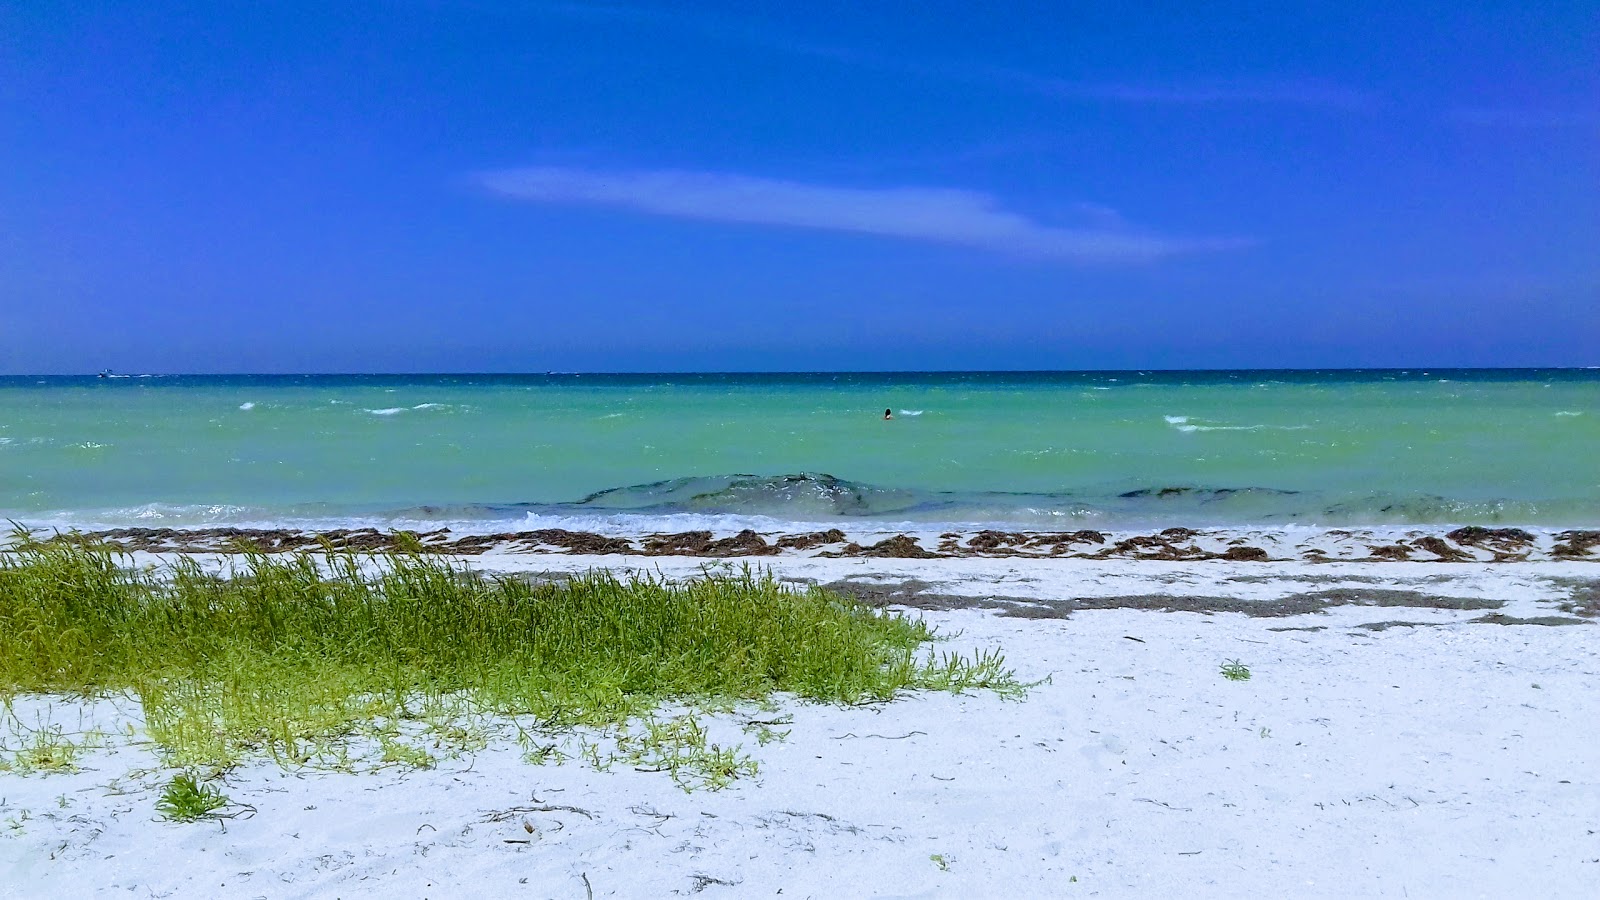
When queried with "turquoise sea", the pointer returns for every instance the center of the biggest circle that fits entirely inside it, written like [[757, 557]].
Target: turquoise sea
[[642, 452]]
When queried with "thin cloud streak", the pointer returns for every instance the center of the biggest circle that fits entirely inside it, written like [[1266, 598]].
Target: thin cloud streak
[[939, 215]]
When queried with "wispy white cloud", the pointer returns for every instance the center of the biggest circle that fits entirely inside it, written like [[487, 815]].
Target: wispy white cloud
[[941, 215]]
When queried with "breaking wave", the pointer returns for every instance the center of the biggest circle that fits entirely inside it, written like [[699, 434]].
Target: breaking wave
[[1185, 424]]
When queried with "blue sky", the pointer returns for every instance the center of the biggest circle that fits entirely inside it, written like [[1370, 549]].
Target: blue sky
[[436, 186]]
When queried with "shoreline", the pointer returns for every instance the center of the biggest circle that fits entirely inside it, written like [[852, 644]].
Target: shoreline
[[1467, 544]]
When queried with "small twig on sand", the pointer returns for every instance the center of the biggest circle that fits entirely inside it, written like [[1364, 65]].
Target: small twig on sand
[[506, 814], [887, 737], [701, 882], [1163, 805], [804, 815], [588, 889]]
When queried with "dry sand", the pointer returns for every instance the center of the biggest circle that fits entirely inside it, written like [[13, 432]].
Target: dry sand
[[1403, 734]]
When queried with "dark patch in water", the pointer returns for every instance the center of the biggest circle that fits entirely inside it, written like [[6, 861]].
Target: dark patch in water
[[779, 495], [1166, 493]]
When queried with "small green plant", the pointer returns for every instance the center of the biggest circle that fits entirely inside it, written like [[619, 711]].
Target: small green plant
[[939, 860], [765, 734], [1233, 670], [539, 754], [186, 800], [44, 750], [679, 746], [399, 753]]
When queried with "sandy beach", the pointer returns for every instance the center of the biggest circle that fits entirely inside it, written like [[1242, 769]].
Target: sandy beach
[[587, 449], [1408, 729]]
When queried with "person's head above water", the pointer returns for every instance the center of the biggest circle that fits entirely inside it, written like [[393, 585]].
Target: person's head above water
[[888, 414]]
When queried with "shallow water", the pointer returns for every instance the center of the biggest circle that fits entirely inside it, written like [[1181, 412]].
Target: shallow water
[[644, 451]]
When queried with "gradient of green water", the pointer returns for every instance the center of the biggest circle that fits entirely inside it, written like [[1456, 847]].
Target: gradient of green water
[[1357, 448]]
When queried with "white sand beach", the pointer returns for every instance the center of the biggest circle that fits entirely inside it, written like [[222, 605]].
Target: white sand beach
[[1396, 738]]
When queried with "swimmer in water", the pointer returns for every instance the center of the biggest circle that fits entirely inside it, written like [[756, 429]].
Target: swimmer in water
[[887, 415]]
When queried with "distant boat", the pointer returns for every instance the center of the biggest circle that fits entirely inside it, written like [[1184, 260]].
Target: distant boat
[[105, 373]]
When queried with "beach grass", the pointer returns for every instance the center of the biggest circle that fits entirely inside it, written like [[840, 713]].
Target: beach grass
[[184, 799], [330, 659]]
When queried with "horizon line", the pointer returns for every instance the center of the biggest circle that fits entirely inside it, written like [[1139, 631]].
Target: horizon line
[[675, 372]]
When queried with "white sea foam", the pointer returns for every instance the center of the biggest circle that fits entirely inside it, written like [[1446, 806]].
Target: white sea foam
[[1569, 412], [164, 511], [910, 412], [390, 411], [1185, 425], [247, 406], [429, 406]]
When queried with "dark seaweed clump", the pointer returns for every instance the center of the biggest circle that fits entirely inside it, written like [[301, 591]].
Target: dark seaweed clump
[[1575, 544]]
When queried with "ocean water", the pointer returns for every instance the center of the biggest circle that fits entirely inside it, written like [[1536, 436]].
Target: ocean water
[[648, 452]]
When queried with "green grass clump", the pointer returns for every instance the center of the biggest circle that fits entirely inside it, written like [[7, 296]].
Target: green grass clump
[[1233, 670], [292, 655], [186, 800]]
